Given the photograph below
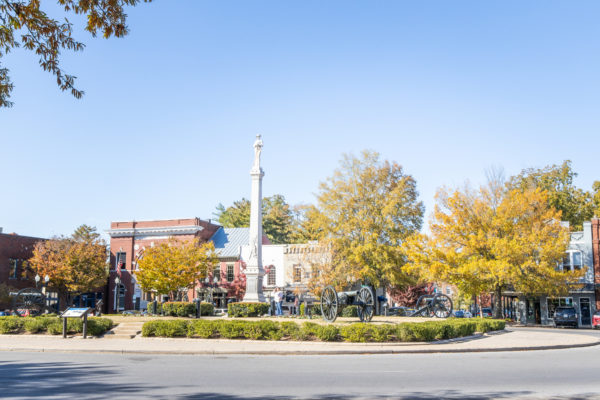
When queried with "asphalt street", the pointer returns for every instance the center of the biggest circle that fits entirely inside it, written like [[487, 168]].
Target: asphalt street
[[556, 374]]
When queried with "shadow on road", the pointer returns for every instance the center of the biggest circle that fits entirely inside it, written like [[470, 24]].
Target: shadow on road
[[62, 380]]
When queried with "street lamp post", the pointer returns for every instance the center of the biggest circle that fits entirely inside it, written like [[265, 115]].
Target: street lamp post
[[117, 283]]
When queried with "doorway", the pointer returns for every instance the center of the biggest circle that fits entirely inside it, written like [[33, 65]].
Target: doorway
[[584, 306]]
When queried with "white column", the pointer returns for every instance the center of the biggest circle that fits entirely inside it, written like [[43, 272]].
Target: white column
[[254, 267]]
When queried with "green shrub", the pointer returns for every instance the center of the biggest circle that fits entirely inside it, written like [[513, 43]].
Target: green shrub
[[165, 328], [203, 329], [308, 330], [179, 309], [11, 324], [150, 308], [327, 333], [247, 309], [232, 329], [55, 327], [487, 325], [207, 309], [35, 325], [290, 330], [99, 326], [349, 312], [357, 332], [383, 333], [149, 328]]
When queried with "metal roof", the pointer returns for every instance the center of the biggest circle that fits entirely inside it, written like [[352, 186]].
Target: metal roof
[[228, 241]]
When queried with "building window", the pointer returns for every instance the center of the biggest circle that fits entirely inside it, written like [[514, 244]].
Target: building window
[[297, 273], [572, 261], [217, 273], [576, 260], [272, 276], [554, 303], [14, 268], [121, 260], [448, 290], [230, 274]]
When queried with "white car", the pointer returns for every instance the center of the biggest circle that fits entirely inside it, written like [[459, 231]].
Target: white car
[[468, 314]]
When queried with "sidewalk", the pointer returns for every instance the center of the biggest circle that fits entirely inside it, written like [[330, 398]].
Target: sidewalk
[[509, 340]]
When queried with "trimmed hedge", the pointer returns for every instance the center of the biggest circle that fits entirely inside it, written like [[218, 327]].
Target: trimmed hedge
[[186, 309], [182, 308], [274, 330], [247, 309], [53, 325]]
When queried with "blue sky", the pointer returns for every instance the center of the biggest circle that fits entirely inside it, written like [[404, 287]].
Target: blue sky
[[165, 130]]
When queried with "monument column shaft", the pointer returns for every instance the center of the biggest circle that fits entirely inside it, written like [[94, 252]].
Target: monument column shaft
[[254, 268], [256, 217]]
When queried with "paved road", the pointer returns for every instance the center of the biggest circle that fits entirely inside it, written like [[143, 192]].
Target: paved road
[[557, 374]]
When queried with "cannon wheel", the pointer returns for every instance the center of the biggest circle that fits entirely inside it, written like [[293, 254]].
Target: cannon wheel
[[329, 304], [442, 306], [366, 304], [29, 301]]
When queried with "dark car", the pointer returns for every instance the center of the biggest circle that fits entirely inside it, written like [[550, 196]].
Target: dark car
[[565, 316], [486, 312], [459, 313]]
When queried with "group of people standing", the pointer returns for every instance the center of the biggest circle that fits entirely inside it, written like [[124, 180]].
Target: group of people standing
[[279, 297]]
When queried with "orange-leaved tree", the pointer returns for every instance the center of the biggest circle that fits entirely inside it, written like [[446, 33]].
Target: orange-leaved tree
[[75, 264]]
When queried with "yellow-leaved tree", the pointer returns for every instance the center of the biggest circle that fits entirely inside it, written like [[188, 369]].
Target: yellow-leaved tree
[[363, 214], [173, 265], [493, 239]]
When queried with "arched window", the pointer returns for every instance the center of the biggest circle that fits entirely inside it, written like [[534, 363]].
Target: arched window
[[272, 277]]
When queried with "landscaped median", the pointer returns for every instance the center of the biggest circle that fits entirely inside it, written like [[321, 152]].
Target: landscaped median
[[310, 331], [53, 325]]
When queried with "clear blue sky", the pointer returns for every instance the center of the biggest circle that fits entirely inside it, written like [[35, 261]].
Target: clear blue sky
[[166, 127]]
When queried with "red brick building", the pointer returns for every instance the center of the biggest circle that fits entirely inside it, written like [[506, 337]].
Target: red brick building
[[14, 251], [127, 241]]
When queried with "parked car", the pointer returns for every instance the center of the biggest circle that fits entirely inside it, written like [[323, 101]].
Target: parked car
[[566, 316], [596, 320], [468, 314], [486, 312], [459, 313], [4, 313]]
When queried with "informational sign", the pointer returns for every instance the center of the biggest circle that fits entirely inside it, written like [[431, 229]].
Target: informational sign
[[74, 312]]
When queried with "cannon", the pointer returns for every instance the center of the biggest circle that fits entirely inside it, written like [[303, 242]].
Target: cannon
[[28, 302], [437, 305], [363, 298]]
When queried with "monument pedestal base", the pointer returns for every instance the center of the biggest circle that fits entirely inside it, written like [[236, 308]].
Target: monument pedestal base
[[254, 291]]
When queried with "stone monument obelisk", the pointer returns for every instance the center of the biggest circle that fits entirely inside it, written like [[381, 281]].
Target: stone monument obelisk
[[254, 268]]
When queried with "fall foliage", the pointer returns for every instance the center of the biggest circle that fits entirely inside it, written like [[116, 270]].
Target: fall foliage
[[575, 204], [172, 265], [74, 264], [25, 24], [493, 239], [363, 214]]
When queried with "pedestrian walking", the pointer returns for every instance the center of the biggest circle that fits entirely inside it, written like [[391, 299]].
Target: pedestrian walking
[[279, 302]]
